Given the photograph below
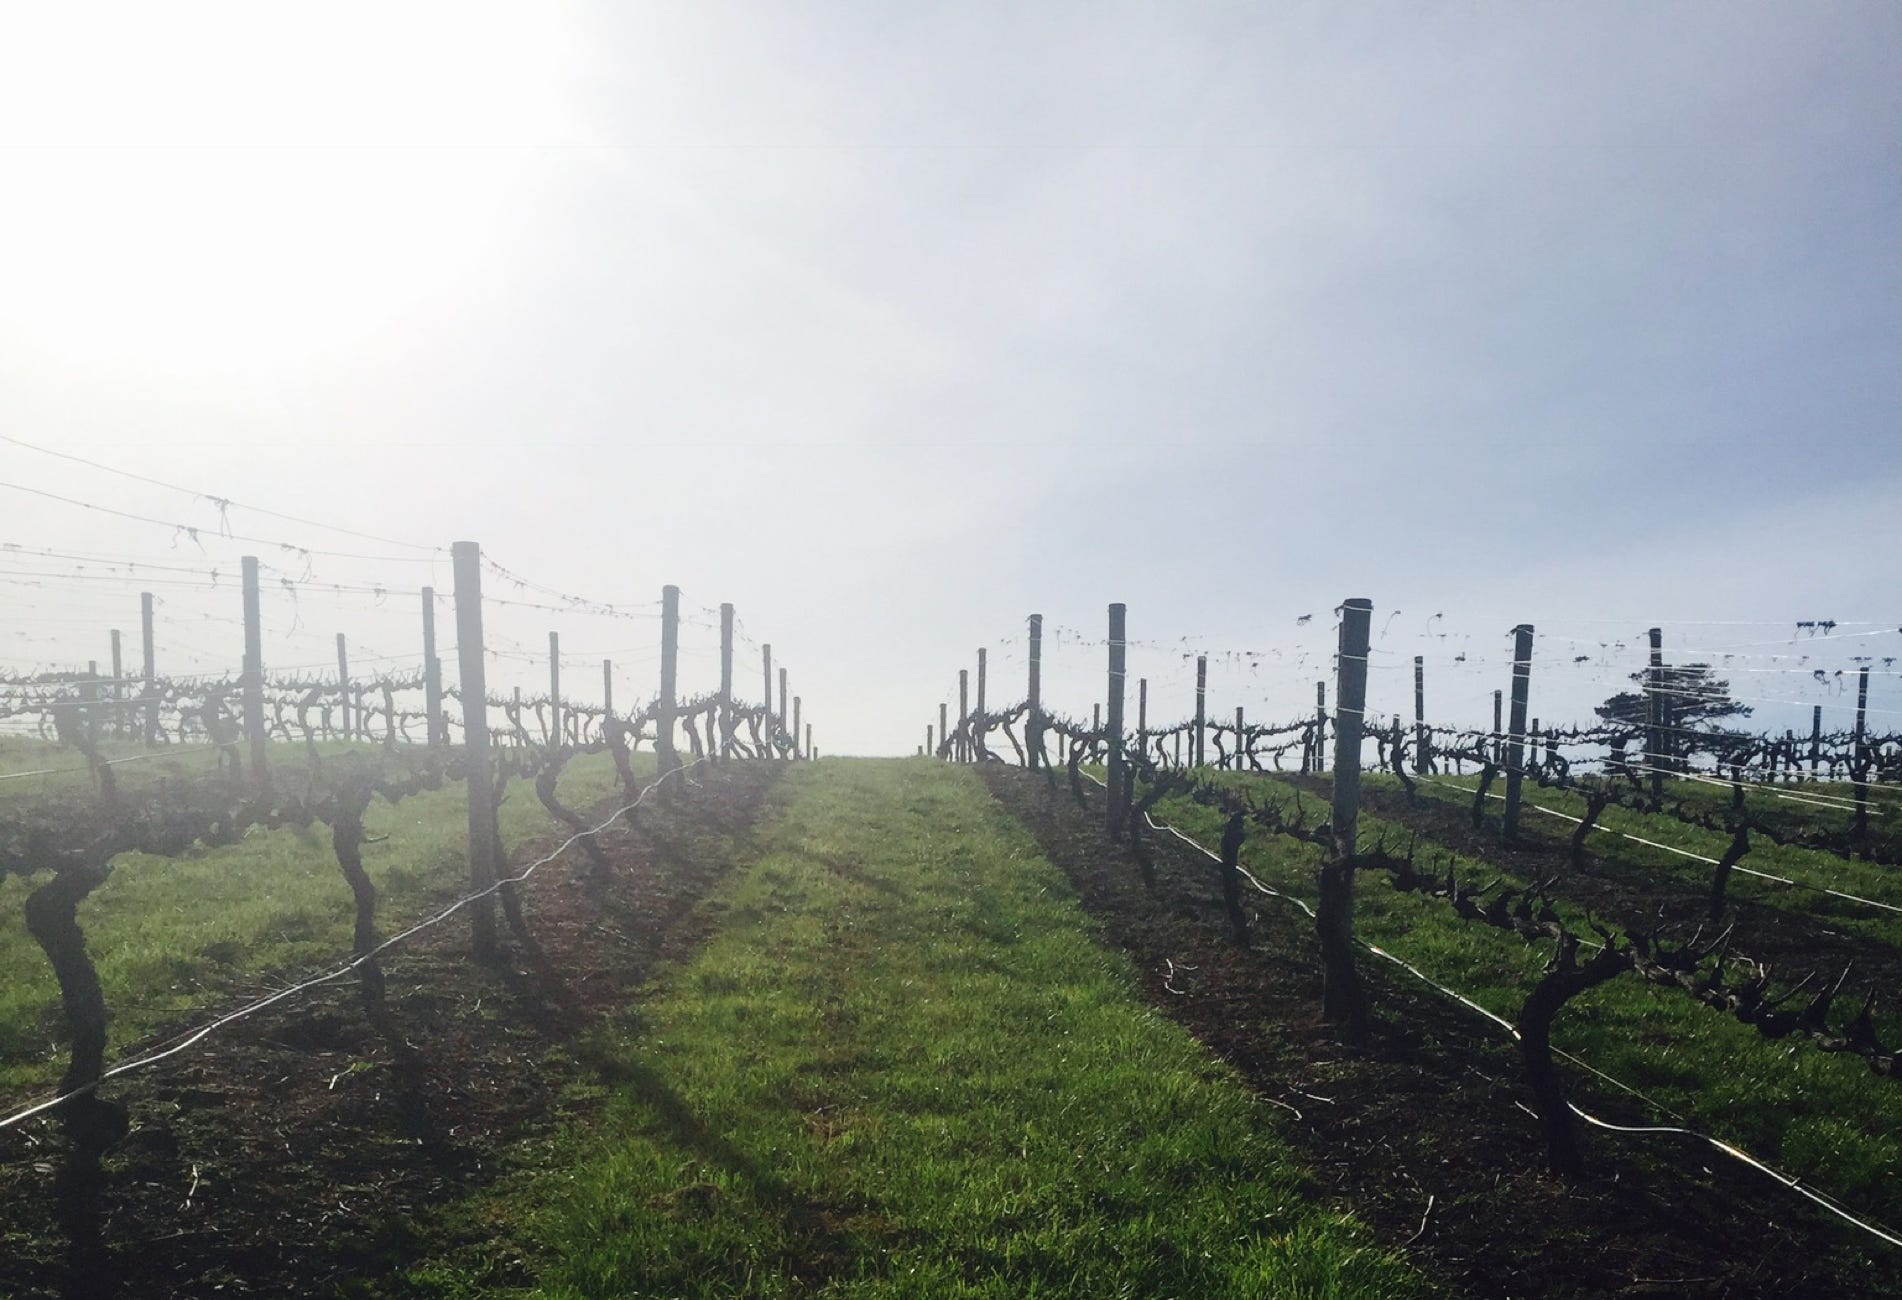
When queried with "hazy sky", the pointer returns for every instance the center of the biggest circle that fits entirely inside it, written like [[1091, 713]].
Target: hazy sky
[[895, 323]]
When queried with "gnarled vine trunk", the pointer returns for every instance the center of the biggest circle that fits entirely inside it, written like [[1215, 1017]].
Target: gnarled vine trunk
[[52, 919], [1564, 979], [346, 837], [545, 791]]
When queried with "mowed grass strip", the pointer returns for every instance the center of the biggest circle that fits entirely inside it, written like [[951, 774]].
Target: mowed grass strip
[[169, 935], [903, 1067]]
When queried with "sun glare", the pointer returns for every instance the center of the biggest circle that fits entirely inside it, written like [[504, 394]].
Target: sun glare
[[222, 183]]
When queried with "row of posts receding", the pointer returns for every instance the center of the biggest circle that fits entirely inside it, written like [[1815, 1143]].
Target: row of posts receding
[[1345, 1001], [1509, 736], [122, 707], [957, 746], [466, 558]]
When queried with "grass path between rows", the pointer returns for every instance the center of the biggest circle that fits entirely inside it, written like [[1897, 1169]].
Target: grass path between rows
[[902, 1066]]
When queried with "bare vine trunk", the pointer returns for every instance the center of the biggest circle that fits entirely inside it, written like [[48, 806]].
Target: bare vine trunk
[[1720, 875], [1232, 836], [545, 781], [346, 837], [1487, 776], [1595, 802], [1564, 979], [52, 919]]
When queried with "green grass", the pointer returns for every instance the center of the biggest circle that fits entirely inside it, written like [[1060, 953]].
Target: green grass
[[903, 1067], [1823, 1117], [170, 935]]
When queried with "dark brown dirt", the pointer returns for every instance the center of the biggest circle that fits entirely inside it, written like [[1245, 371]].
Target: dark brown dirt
[[1425, 1132], [295, 1150]]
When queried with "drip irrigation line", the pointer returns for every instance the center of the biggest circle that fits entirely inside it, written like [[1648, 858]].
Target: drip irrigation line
[[180, 1043]]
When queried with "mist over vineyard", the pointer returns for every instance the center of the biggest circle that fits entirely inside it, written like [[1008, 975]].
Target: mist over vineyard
[[743, 650]]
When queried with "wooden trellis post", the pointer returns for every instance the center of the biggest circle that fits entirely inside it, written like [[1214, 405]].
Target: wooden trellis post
[[343, 688], [666, 707], [1197, 744], [118, 687], [432, 674], [726, 681], [1861, 759], [89, 703], [964, 716], [1656, 713], [1033, 721], [1320, 726], [149, 646], [254, 673], [1516, 739], [554, 689], [1142, 717], [467, 560], [1118, 773], [766, 700], [1344, 1001], [1422, 747]]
